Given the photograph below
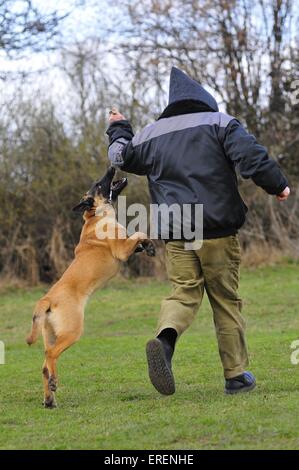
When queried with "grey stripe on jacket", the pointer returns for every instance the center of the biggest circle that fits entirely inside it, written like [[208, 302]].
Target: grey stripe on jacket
[[191, 159]]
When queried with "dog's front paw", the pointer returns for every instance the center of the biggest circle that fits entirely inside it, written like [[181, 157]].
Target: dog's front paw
[[150, 249]]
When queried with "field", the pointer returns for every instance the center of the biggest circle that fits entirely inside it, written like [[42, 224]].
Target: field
[[105, 400]]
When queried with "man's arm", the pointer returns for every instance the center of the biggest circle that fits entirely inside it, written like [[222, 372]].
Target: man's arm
[[253, 160], [121, 151]]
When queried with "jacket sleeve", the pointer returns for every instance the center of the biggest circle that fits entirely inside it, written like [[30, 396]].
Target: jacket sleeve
[[121, 151], [252, 159]]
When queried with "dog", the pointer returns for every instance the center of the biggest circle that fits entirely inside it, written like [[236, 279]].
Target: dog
[[59, 314]]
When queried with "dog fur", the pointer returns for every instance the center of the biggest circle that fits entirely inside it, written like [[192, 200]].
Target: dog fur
[[59, 314]]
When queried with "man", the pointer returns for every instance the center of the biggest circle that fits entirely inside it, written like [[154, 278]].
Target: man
[[189, 156]]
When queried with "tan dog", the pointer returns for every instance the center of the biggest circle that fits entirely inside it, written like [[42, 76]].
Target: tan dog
[[59, 314]]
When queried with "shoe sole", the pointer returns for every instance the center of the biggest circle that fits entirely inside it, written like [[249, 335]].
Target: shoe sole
[[240, 390], [159, 373]]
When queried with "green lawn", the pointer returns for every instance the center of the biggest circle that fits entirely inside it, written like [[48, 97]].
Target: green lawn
[[105, 400]]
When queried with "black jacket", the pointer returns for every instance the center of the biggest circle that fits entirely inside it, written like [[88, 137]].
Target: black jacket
[[190, 154]]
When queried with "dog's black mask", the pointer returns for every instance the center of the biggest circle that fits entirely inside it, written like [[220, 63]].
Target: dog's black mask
[[105, 188]]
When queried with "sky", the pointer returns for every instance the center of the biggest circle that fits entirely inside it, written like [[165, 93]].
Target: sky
[[82, 21], [87, 18]]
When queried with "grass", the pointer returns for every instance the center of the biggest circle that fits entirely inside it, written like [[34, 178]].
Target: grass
[[105, 399]]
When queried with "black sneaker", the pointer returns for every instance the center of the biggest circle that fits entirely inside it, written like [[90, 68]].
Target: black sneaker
[[159, 354], [242, 383]]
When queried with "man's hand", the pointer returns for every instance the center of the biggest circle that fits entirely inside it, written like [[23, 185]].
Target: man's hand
[[284, 195], [114, 115]]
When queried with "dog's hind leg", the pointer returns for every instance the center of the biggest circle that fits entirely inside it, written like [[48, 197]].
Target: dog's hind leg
[[49, 397], [49, 340], [53, 352]]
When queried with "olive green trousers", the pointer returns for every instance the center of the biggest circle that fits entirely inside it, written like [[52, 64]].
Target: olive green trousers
[[213, 268]]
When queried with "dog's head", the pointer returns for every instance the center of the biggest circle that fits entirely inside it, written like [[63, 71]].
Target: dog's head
[[102, 191]]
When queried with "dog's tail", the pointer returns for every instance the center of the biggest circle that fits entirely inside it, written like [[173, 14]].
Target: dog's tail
[[41, 308]]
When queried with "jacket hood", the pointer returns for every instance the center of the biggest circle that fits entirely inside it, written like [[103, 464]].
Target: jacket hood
[[182, 87]]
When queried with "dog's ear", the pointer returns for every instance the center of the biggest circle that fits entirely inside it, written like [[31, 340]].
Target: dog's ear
[[84, 205]]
